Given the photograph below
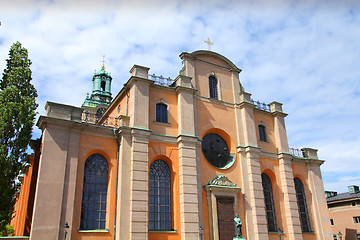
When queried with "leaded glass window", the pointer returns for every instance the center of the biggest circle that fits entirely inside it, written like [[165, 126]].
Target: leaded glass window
[[159, 197], [262, 133], [302, 207], [161, 113], [213, 88], [216, 150], [269, 203], [93, 208]]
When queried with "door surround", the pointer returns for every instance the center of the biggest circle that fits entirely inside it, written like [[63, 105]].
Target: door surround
[[221, 186]]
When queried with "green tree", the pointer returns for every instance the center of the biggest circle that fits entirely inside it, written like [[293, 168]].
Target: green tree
[[17, 116]]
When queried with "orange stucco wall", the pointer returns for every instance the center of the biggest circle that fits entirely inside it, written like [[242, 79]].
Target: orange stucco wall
[[123, 103], [106, 147], [22, 201], [222, 74], [156, 96], [266, 120], [169, 154], [301, 172]]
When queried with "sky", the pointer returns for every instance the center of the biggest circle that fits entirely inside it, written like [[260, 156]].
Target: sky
[[304, 54]]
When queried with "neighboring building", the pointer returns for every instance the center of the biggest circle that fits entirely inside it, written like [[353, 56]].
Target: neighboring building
[[344, 210], [175, 160], [25, 199]]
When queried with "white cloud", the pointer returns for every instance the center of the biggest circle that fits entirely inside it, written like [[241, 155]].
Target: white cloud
[[301, 53]]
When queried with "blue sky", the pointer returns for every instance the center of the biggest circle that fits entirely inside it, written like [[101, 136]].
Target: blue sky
[[304, 54]]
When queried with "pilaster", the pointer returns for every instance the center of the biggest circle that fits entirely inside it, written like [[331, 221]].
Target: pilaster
[[123, 177], [292, 222], [139, 184], [55, 190], [189, 195], [279, 127], [139, 97], [245, 124], [186, 113], [70, 182], [254, 197], [236, 86], [188, 68], [319, 203], [190, 192]]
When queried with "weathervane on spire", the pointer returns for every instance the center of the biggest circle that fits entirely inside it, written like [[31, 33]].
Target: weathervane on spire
[[209, 43], [103, 61]]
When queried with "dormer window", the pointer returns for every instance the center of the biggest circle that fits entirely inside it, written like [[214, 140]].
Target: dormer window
[[213, 87]]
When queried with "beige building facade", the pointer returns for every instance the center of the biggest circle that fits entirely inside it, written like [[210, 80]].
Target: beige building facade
[[344, 211], [176, 160]]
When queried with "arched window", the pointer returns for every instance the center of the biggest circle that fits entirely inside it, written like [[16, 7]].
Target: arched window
[[161, 113], [302, 207], [262, 133], [93, 208], [103, 85], [269, 203], [159, 197], [213, 87]]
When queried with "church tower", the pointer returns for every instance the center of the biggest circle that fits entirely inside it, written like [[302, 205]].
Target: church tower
[[100, 97]]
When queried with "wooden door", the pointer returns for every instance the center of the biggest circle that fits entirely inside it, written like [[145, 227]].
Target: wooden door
[[225, 213]]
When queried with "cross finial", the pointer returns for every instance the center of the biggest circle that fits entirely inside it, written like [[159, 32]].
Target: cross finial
[[103, 61], [209, 43]]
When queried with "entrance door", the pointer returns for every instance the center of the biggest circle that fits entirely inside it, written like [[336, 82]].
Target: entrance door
[[225, 213]]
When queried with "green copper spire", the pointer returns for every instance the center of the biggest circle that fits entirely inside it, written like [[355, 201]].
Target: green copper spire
[[101, 92]]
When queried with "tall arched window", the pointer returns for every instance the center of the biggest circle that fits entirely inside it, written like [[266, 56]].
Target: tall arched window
[[269, 203], [93, 208], [213, 87], [161, 113], [302, 207], [159, 197]]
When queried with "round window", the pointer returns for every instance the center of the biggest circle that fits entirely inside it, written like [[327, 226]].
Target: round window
[[216, 151]]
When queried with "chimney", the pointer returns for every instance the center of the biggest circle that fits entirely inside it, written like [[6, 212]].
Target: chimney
[[330, 194], [353, 189]]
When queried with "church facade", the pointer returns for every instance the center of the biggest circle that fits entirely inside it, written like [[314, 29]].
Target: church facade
[[175, 160]]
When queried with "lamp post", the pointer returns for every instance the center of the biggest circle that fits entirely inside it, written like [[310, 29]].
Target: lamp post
[[65, 232], [279, 232], [340, 235], [201, 232]]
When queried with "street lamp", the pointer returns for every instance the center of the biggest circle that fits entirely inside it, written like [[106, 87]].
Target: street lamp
[[65, 232], [279, 232], [340, 235], [201, 229]]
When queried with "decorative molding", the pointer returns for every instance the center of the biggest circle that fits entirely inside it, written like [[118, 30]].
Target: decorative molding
[[221, 180]]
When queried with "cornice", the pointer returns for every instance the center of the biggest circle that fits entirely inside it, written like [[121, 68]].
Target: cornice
[[81, 127], [163, 88], [269, 155], [277, 113], [188, 89], [157, 137], [307, 161], [216, 101], [245, 104]]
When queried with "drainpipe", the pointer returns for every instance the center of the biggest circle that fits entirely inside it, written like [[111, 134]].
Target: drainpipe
[[117, 174]]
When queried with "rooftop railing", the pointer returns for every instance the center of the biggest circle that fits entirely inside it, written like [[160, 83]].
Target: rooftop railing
[[160, 80], [260, 105], [296, 152], [94, 119]]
